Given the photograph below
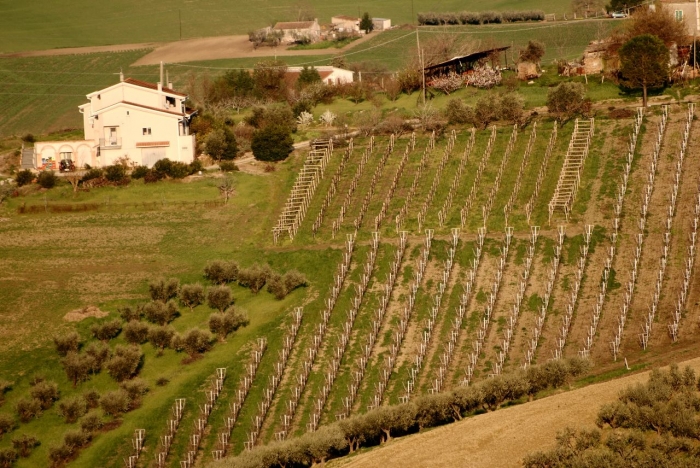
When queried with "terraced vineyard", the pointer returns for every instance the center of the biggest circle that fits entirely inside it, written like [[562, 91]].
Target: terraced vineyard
[[451, 271]]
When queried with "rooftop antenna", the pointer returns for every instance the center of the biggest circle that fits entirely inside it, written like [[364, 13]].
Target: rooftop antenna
[[161, 72]]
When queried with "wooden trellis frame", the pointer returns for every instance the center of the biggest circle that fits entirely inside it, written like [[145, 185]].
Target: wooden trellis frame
[[303, 190], [570, 175]]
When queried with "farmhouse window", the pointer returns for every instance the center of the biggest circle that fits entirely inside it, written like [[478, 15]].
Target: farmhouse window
[[170, 101], [679, 15], [147, 131]]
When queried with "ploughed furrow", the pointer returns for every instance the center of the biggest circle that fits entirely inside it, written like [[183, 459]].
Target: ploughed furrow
[[512, 314], [662, 207], [486, 318], [338, 352], [594, 306], [616, 281]]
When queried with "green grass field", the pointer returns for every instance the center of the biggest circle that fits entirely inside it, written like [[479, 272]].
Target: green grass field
[[45, 24]]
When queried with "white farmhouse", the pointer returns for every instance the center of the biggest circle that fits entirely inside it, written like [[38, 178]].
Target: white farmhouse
[[134, 120], [344, 23], [329, 75], [294, 31]]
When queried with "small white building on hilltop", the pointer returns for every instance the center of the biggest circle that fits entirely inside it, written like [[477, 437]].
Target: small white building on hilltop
[[329, 75], [133, 120], [345, 23], [381, 24], [294, 31]]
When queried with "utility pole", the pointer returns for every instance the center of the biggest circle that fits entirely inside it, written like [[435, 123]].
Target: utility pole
[[695, 33], [422, 66]]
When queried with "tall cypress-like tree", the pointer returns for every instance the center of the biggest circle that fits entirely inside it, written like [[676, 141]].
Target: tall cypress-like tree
[[366, 23]]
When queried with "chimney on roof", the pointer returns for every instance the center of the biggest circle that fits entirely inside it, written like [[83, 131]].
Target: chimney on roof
[[167, 80], [121, 75]]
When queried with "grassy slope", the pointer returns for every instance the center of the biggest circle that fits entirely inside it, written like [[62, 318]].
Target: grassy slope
[[56, 263], [46, 24]]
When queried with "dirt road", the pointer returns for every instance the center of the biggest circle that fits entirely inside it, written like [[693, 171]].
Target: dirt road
[[501, 438], [193, 50]]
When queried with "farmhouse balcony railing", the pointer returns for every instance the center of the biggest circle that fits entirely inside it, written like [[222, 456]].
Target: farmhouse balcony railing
[[110, 143]]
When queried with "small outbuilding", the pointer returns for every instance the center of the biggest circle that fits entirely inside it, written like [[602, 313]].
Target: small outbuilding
[[295, 31], [381, 24], [329, 75], [345, 23], [464, 63]]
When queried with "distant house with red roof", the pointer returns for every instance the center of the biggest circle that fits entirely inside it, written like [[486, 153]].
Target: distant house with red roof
[[133, 119]]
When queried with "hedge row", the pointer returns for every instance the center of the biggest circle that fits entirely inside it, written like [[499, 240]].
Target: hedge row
[[479, 17], [379, 425]]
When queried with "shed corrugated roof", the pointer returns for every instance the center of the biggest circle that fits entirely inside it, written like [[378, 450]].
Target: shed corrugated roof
[[467, 58]]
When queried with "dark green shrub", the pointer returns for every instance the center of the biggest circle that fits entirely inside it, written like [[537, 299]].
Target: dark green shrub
[[136, 332], [24, 177], [457, 112], [8, 457], [29, 138], [92, 399], [219, 297], [95, 173], [228, 166], [179, 170], [160, 337], [135, 388], [128, 314], [160, 313], [7, 424], [107, 330], [78, 366], [115, 403], [5, 386], [193, 342], [45, 393], [254, 277], [28, 409], [76, 439], [221, 272], [125, 363], [24, 445], [139, 172], [152, 176], [115, 173], [47, 179], [222, 324], [72, 409], [162, 290], [195, 166], [191, 295], [61, 455], [100, 352], [273, 143], [162, 382], [91, 423]]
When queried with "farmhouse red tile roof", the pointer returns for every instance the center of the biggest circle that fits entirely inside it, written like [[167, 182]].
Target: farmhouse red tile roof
[[145, 84], [294, 25]]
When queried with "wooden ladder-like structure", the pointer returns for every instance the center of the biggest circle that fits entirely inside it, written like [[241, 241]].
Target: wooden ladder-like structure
[[570, 176], [303, 189]]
